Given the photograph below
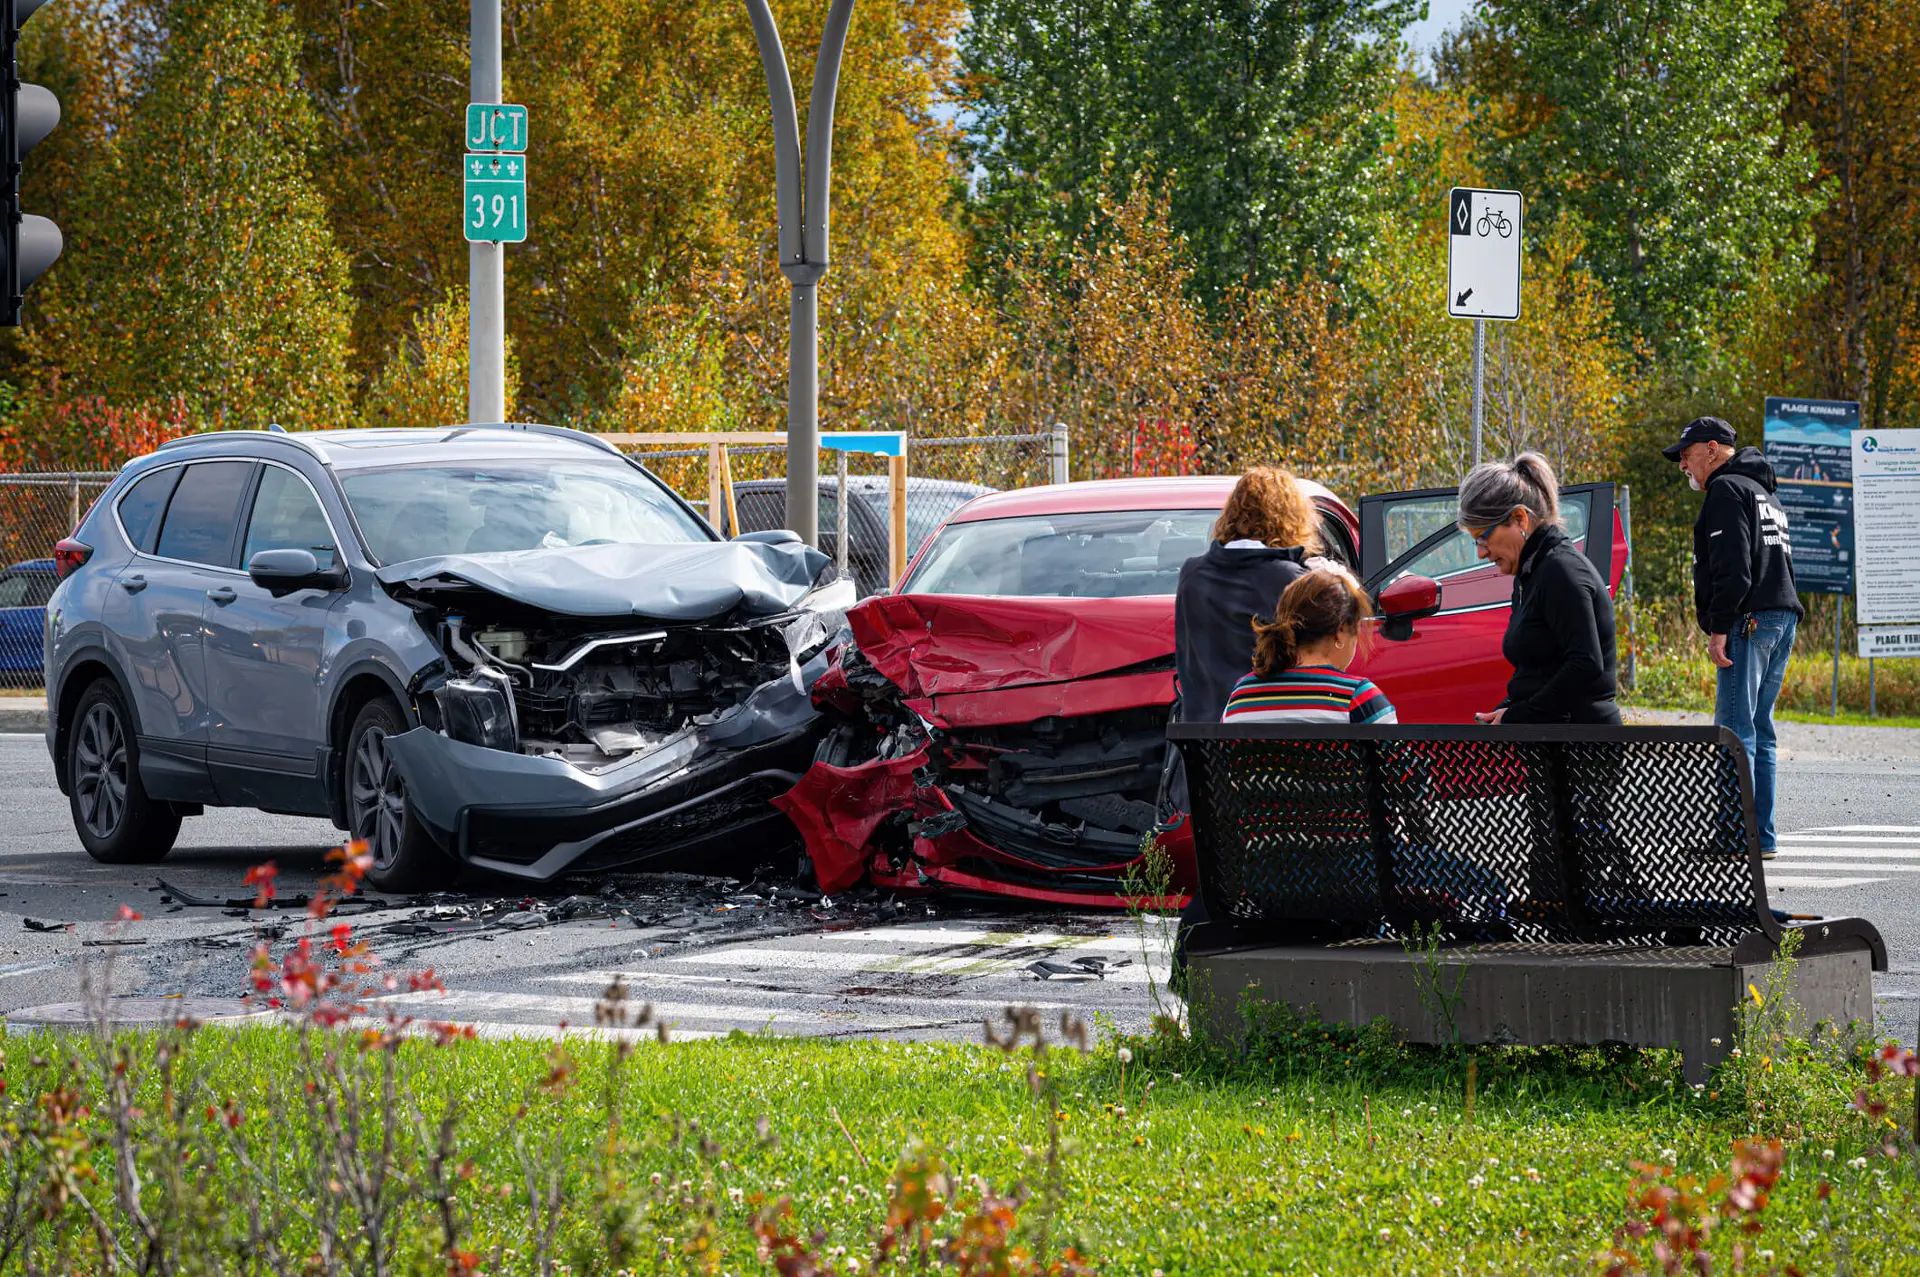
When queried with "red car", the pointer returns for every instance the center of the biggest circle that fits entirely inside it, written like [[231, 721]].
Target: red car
[[1001, 719]]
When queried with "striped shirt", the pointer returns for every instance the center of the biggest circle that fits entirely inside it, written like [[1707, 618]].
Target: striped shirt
[[1308, 694]]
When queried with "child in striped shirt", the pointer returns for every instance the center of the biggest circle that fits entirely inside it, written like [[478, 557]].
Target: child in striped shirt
[[1300, 658]]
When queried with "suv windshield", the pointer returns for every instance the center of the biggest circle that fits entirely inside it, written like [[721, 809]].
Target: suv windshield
[[1107, 555], [411, 512]]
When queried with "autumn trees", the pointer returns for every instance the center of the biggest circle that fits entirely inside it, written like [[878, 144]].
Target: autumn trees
[[1202, 233]]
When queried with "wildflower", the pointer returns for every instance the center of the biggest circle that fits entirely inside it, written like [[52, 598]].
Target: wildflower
[[1715, 1041], [1736, 1052], [1126, 1055], [1176, 1077], [1858, 1163], [1477, 1181], [1386, 1234], [1438, 1200], [1827, 1153], [1667, 1155]]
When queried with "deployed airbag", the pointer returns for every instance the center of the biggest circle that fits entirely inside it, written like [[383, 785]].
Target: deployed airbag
[[661, 582]]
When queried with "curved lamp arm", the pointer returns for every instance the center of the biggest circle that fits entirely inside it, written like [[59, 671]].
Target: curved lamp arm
[[786, 133]]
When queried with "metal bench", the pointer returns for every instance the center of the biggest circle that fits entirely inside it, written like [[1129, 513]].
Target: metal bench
[[1597, 884]]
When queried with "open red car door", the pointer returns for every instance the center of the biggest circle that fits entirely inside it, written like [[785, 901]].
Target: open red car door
[[1446, 665]]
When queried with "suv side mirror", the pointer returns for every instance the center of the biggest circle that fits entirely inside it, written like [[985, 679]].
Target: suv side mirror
[[1404, 602], [284, 572], [770, 536]]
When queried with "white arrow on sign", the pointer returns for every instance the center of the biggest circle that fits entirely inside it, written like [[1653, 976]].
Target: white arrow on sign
[[1483, 253]]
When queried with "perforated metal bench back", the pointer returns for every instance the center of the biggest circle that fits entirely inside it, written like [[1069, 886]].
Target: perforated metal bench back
[[1531, 833]]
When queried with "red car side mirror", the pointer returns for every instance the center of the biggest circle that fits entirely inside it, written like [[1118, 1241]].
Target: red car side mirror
[[1403, 602], [1411, 595]]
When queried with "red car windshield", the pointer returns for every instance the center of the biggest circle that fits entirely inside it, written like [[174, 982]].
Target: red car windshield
[[1088, 555]]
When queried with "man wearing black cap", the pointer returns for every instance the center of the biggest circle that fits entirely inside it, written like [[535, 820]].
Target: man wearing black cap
[[1743, 591]]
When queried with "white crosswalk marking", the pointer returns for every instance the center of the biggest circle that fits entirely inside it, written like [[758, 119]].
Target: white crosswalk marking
[[1795, 880], [908, 981], [1837, 856]]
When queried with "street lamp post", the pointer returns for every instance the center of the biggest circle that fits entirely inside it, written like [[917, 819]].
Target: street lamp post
[[801, 183]]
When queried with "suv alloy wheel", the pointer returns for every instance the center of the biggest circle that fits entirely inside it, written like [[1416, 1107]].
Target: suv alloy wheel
[[116, 820], [405, 857]]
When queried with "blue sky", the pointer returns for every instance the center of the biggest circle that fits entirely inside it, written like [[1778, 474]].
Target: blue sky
[[1441, 14]]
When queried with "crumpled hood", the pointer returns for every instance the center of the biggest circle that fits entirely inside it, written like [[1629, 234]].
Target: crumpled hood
[[661, 582], [1750, 463], [933, 644]]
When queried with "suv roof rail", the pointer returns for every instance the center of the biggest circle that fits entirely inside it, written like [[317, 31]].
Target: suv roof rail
[[565, 432], [267, 436]]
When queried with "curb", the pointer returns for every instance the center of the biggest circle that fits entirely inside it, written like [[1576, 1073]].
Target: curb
[[23, 713]]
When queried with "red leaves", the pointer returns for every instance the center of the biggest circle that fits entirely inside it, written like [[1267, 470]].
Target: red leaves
[[1680, 1214], [1892, 1060], [262, 877], [353, 861]]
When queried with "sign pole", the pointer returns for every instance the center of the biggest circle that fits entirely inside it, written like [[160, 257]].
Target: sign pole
[[1479, 384], [486, 262], [1834, 710]]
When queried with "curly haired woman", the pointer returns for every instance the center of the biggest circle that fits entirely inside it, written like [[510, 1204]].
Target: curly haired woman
[[1261, 543]]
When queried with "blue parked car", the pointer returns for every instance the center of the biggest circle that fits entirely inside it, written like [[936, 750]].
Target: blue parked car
[[24, 591], [505, 646]]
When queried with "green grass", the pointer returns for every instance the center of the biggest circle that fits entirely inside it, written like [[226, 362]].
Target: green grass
[[1323, 1151]]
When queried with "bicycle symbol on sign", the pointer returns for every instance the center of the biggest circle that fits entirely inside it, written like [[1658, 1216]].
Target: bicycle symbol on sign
[[1493, 220]]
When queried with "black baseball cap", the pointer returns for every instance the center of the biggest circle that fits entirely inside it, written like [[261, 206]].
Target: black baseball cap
[[1699, 430]]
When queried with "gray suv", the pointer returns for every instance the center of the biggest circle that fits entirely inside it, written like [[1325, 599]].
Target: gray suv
[[508, 646]]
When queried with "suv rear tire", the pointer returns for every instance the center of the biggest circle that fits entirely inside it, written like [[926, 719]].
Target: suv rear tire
[[374, 796], [117, 822]]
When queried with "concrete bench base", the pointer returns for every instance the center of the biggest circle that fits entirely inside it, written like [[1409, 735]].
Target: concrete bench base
[[1532, 995]]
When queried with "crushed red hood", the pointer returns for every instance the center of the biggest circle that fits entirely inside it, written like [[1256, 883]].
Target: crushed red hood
[[932, 645]]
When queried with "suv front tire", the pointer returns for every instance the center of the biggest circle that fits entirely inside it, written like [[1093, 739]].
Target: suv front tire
[[374, 795], [117, 822]]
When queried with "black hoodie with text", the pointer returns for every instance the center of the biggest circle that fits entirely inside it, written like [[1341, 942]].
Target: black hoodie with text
[[1741, 560]]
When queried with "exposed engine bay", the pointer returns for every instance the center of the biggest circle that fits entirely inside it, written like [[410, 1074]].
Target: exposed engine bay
[[593, 695], [1055, 807]]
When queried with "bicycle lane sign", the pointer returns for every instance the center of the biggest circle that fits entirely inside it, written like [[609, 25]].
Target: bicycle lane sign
[[1483, 253]]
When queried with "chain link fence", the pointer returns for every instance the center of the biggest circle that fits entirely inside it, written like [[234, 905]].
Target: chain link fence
[[36, 510]]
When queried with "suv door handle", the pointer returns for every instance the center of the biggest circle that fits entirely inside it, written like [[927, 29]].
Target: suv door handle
[[223, 596], [133, 584]]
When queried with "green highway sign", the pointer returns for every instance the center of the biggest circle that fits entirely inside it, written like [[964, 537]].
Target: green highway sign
[[496, 126], [495, 208]]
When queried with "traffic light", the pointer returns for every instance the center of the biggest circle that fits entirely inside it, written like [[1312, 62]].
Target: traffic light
[[30, 244]]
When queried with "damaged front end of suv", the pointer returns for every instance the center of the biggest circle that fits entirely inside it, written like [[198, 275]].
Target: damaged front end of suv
[[613, 706], [1011, 747]]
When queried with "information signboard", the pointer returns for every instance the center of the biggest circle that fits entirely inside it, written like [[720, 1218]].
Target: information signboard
[[1889, 640], [1886, 477], [1809, 443]]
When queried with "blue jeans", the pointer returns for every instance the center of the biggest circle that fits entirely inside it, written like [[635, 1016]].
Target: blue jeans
[[1744, 700]]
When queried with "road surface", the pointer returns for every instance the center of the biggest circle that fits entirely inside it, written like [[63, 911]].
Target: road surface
[[764, 957]]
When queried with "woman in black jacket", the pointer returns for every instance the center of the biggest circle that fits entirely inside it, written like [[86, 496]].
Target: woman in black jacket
[[1560, 643], [1560, 632], [1261, 543]]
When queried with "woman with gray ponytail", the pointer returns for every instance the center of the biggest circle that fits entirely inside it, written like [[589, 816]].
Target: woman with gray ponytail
[[1560, 634]]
